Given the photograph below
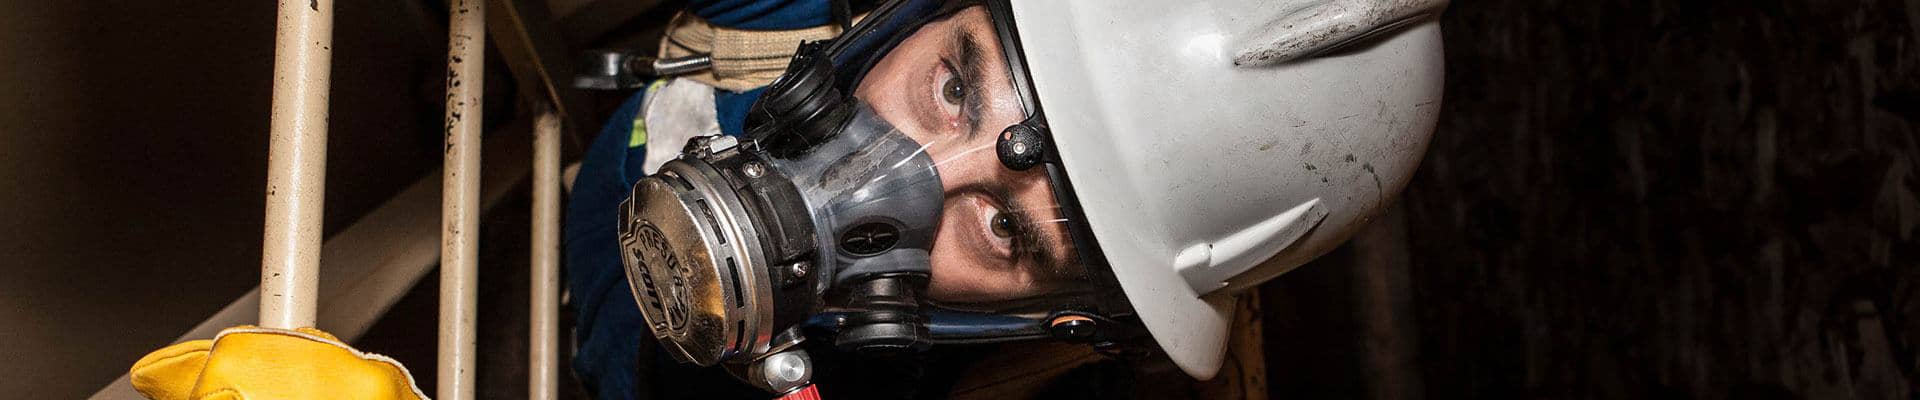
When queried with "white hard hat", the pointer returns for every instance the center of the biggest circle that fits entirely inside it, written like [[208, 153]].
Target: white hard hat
[[1214, 145]]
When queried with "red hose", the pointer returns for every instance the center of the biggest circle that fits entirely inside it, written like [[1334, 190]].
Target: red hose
[[805, 393]]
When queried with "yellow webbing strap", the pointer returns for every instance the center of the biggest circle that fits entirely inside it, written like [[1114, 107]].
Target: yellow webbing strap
[[742, 59]]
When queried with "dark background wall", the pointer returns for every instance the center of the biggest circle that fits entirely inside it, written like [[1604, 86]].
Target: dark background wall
[[1672, 199]]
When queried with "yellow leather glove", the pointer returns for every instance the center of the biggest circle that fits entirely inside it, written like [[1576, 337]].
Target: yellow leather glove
[[253, 363]]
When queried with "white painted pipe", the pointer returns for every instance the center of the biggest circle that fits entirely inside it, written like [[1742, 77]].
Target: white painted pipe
[[296, 164], [460, 199], [369, 266], [543, 353]]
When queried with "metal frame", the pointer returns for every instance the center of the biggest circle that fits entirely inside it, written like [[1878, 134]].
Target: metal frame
[[296, 164], [366, 268], [532, 47], [460, 198], [376, 261], [524, 33], [543, 351]]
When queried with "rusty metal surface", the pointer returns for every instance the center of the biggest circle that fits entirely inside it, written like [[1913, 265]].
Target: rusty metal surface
[[296, 164], [460, 199]]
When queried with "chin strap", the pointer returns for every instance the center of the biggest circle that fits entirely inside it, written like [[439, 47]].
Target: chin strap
[[808, 392]]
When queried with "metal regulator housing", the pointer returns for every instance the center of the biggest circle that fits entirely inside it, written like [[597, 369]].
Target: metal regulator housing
[[687, 255]]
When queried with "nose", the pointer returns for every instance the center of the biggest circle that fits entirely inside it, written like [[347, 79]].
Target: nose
[[969, 163]]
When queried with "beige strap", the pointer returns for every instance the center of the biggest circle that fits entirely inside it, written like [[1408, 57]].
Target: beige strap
[[742, 59]]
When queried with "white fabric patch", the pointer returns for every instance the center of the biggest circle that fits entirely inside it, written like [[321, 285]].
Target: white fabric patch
[[680, 110]]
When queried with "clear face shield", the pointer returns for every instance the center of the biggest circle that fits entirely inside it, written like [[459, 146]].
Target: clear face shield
[[896, 190]]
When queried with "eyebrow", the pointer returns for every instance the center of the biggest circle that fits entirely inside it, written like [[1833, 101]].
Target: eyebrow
[[1030, 242], [974, 73]]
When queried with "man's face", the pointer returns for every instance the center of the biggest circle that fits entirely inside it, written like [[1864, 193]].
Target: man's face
[[1001, 236]]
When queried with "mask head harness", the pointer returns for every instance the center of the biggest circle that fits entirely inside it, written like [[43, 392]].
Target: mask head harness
[[822, 222]]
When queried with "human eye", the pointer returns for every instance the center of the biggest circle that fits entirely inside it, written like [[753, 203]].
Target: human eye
[[1004, 225], [1012, 229], [954, 91], [995, 230]]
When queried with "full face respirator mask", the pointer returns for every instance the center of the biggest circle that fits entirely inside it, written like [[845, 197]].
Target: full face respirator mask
[[872, 207], [727, 243]]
